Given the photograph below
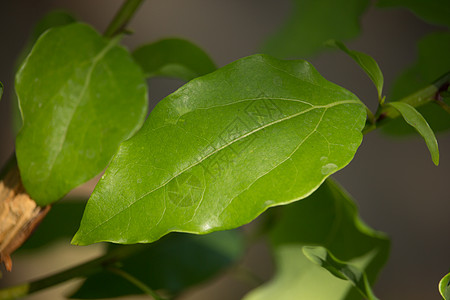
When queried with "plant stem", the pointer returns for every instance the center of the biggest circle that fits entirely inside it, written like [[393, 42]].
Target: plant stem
[[122, 17], [443, 105], [426, 95], [83, 270], [139, 284]]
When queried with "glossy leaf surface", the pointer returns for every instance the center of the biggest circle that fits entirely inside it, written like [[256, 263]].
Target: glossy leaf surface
[[322, 257], [417, 121], [80, 95], [327, 218], [172, 264], [176, 58], [311, 23], [433, 11], [366, 62], [433, 62], [444, 287], [215, 154], [50, 20]]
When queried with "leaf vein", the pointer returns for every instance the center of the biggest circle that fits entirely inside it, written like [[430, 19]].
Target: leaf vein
[[349, 101], [95, 61]]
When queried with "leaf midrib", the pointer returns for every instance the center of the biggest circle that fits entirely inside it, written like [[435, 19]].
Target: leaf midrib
[[95, 60]]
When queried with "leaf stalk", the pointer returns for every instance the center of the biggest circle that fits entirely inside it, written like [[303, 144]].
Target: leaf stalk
[[428, 94], [122, 18], [136, 282]]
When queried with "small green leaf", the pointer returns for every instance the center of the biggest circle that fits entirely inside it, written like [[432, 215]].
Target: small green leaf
[[366, 62], [312, 22], [1, 90], [327, 218], [433, 62], [80, 95], [433, 11], [416, 120], [175, 58], [226, 146], [444, 287], [172, 264], [324, 258], [50, 20]]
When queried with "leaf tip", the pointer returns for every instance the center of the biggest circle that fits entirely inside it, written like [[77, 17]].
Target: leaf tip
[[435, 159], [78, 240]]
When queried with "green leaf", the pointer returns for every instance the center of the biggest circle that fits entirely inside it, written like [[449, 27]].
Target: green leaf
[[311, 23], [324, 258], [327, 218], [432, 11], [1, 90], [416, 120], [366, 62], [80, 96], [60, 223], [172, 264], [175, 58], [50, 20], [215, 154], [444, 287], [433, 61]]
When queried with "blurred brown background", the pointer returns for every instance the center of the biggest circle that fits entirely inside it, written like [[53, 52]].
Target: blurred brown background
[[397, 187]]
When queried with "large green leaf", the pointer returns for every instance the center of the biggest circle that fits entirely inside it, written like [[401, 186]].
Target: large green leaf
[[366, 62], [433, 61], [175, 58], [327, 218], [416, 120], [324, 258], [444, 287], [50, 20], [433, 11], [80, 95], [172, 264], [312, 22], [215, 154]]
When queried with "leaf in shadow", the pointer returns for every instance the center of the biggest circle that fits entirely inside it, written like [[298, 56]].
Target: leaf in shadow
[[328, 218], [311, 23], [171, 264]]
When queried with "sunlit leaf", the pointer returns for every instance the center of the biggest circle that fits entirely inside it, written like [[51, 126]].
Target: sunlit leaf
[[433, 62], [311, 23], [80, 95], [444, 287], [417, 121], [322, 257], [432, 11], [172, 264], [327, 218], [366, 62], [215, 154], [175, 58], [50, 20]]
